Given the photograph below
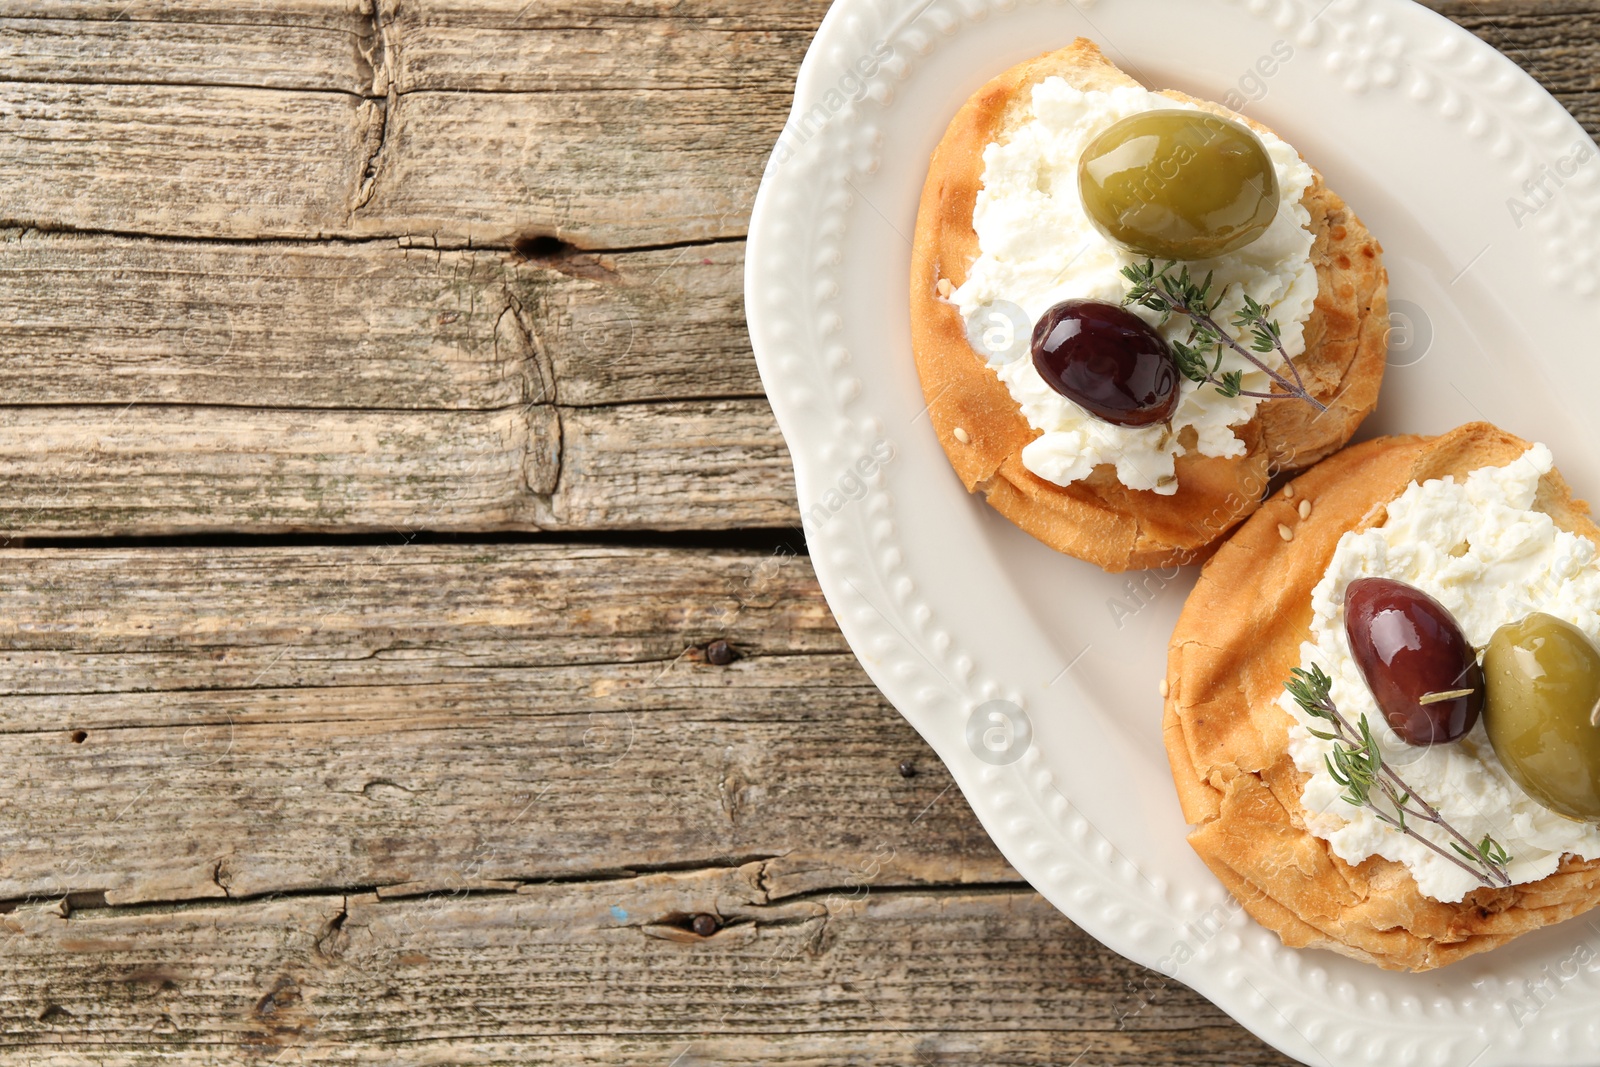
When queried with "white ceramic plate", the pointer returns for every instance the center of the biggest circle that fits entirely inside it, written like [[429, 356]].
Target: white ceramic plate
[[1011, 660]]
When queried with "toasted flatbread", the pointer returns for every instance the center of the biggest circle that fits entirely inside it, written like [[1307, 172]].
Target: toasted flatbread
[[1227, 737], [1099, 519]]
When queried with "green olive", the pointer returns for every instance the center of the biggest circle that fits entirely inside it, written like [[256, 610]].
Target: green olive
[[1178, 184], [1543, 678]]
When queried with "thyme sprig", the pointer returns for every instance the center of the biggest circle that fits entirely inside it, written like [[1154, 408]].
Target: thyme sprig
[[1356, 763], [1170, 288]]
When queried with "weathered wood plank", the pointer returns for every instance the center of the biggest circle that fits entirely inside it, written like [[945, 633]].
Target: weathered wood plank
[[537, 975], [325, 14], [665, 325], [526, 775], [99, 320], [186, 50], [88, 320], [627, 467], [1556, 41], [187, 723], [152, 470], [601, 169], [1220, 1045], [513, 46], [171, 469], [335, 14], [499, 46], [200, 161], [143, 620], [581, 155], [162, 387]]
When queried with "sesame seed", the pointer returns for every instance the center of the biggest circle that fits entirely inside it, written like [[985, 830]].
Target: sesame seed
[[1285, 533], [1166, 689], [1288, 491], [1305, 509], [945, 288], [961, 435]]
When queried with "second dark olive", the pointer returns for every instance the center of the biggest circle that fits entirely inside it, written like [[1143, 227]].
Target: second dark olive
[[1411, 650]]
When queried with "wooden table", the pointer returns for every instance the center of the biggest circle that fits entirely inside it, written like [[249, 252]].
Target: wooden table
[[409, 653]]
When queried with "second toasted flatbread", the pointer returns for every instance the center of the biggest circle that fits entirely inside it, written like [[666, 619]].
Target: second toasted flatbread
[[1227, 737]]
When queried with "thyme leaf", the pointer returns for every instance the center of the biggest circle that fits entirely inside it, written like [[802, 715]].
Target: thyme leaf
[[1170, 289], [1356, 763]]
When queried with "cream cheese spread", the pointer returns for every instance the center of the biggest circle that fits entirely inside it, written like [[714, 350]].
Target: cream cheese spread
[[1038, 247], [1478, 547]]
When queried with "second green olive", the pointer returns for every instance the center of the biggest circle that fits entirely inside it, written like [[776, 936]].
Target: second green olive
[[1178, 184], [1543, 681]]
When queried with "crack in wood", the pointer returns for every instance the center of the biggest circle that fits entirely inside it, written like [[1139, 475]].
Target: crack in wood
[[379, 58], [219, 877], [19, 228], [539, 382], [751, 868], [332, 941], [541, 467]]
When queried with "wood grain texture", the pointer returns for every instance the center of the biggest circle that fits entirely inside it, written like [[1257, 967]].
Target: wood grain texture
[[597, 972], [162, 470], [199, 47], [600, 169], [164, 387], [361, 148], [189, 160], [95, 320], [376, 804], [452, 735], [446, 715]]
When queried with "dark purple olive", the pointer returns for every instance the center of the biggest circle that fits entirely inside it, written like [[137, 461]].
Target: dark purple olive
[[1108, 361], [1410, 650]]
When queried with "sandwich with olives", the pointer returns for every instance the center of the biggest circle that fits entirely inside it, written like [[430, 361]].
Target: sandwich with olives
[[1132, 309], [1383, 701]]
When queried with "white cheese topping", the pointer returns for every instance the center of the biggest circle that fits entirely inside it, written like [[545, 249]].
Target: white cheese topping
[[1480, 549], [1039, 248]]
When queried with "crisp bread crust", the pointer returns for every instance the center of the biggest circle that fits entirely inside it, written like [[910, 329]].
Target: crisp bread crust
[[1099, 519], [1227, 738]]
